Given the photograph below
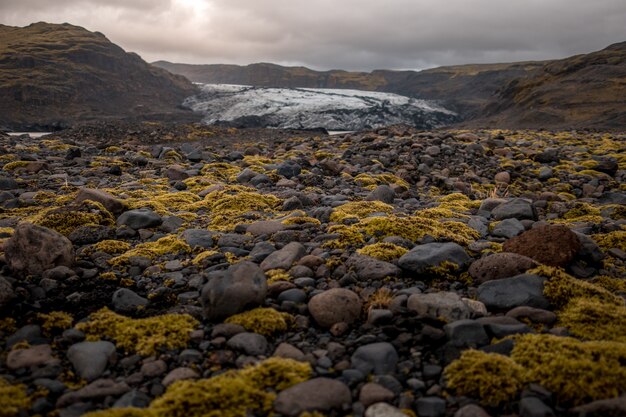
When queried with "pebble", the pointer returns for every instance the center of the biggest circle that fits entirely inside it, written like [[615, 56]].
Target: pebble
[[446, 305], [431, 255], [383, 409], [380, 358], [500, 265], [334, 306], [90, 359], [317, 394]]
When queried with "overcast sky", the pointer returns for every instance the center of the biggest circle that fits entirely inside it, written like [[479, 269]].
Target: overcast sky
[[345, 34]]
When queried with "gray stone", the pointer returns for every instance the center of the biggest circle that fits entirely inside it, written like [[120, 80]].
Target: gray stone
[[261, 251], [507, 228], [368, 268], [500, 265], [321, 394], [100, 388], [374, 393], [127, 301], [335, 306], [507, 293], [545, 173], [250, 343], [90, 359], [517, 208], [154, 368], [265, 227], [171, 224], [430, 255], [535, 315], [534, 407], [198, 238], [613, 407], [30, 333], [288, 169], [109, 201], [446, 305], [179, 374], [32, 356], [500, 331], [33, 249], [430, 407], [488, 204], [292, 203], [478, 223], [466, 333], [142, 218], [8, 183], [471, 410], [589, 249], [286, 350], [380, 358], [246, 175], [241, 286], [383, 410], [134, 398], [294, 295], [382, 193], [284, 258], [6, 292]]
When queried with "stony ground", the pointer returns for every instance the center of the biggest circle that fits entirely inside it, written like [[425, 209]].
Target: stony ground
[[153, 270]]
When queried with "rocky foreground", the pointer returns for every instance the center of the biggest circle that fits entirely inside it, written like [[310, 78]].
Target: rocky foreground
[[153, 270]]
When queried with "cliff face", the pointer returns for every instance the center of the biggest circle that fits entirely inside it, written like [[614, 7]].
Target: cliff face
[[54, 75]]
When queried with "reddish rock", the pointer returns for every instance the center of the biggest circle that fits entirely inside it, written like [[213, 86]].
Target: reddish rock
[[500, 265], [335, 306], [109, 201], [554, 245]]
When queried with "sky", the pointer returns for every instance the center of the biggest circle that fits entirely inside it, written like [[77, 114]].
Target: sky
[[339, 34]]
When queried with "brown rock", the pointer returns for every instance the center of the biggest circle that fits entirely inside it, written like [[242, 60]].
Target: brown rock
[[323, 394], [265, 227], [500, 265], [285, 350], [176, 173], [613, 407], [503, 177], [33, 249], [536, 315], [179, 374], [109, 201], [334, 306], [97, 389], [554, 245], [34, 356], [471, 410], [373, 393]]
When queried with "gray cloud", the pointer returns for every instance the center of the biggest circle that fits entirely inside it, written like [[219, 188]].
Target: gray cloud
[[347, 34]]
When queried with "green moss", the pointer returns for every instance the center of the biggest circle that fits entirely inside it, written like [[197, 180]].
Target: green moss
[[576, 372], [591, 319], [616, 239], [264, 321], [250, 391], [112, 247], [55, 321], [13, 398], [359, 210], [560, 288], [143, 336], [383, 251], [165, 245], [491, 378]]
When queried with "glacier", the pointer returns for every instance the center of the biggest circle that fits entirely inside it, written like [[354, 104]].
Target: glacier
[[313, 108]]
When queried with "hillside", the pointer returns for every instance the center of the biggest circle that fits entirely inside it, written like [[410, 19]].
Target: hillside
[[53, 75]]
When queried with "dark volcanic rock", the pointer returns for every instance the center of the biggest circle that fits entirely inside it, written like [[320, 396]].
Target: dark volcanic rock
[[507, 293], [430, 255], [500, 265]]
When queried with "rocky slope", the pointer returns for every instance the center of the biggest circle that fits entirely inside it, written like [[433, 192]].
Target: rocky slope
[[188, 270], [54, 75]]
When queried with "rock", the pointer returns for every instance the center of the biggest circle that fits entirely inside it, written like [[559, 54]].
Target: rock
[[90, 359], [8, 183], [374, 393], [284, 258], [466, 333], [100, 388], [241, 286], [383, 410], [288, 169], [33, 356], [471, 410], [367, 268], [198, 238], [179, 374], [246, 175], [171, 224], [380, 358], [250, 343], [545, 173], [507, 293], [446, 305], [534, 407], [335, 305], [317, 394], [265, 227], [33, 249], [488, 204], [176, 173], [285, 350], [606, 164], [554, 245], [500, 265], [502, 177], [517, 208], [535, 315], [547, 156], [127, 301], [152, 369], [507, 228], [261, 251], [88, 234], [134, 398], [109, 201], [382, 193], [613, 407], [142, 218], [292, 203], [430, 407], [6, 292], [430, 255]]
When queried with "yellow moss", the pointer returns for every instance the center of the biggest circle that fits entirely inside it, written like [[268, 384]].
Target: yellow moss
[[108, 276], [144, 336], [560, 287], [230, 210], [220, 171], [165, 245], [122, 412], [11, 166], [445, 269], [348, 236], [8, 325], [359, 210], [491, 378], [440, 213], [13, 398], [583, 212], [275, 275], [66, 219], [112, 247], [264, 321], [590, 164], [616, 239], [55, 320], [610, 284], [198, 260], [113, 149], [173, 156], [167, 203], [383, 251], [301, 220], [458, 202], [250, 391], [576, 372], [591, 319], [380, 299], [6, 231]]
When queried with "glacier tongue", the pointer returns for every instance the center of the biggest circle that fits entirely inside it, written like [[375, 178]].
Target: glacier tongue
[[310, 108]]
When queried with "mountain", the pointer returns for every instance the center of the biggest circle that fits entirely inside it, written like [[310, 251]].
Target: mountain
[[583, 91], [53, 75]]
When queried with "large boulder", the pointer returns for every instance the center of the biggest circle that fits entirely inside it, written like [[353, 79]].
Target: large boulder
[[508, 293], [33, 249], [229, 292], [554, 245]]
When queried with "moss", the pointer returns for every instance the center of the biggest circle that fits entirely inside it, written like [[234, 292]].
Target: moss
[[6, 231], [13, 398], [112, 247], [11, 166], [348, 236], [230, 210], [458, 202], [440, 213], [445, 269], [383, 251], [591, 319], [200, 259], [301, 220], [66, 219], [143, 336], [616, 239], [491, 378], [583, 212], [610, 284], [560, 287], [359, 210], [108, 276], [264, 321], [8, 325], [275, 275], [122, 412], [167, 203], [220, 171], [250, 391], [381, 298], [576, 372], [163, 246], [55, 321], [113, 149]]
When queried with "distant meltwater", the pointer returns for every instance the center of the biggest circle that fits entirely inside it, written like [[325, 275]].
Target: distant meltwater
[[311, 108]]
